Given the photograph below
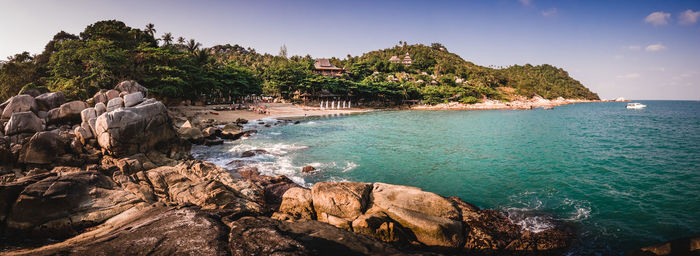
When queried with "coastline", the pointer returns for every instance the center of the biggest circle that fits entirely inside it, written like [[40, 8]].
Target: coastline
[[294, 111]]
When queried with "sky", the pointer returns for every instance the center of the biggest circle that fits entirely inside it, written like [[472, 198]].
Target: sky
[[642, 49]]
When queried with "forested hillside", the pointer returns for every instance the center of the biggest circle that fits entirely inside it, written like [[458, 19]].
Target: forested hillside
[[109, 51]]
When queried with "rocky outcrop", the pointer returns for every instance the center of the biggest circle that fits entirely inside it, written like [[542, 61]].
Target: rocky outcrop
[[19, 103], [265, 236], [43, 148], [67, 112], [147, 230], [130, 87], [135, 129], [683, 246], [408, 215], [23, 122], [50, 100], [61, 206]]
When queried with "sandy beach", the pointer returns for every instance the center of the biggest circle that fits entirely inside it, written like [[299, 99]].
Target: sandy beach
[[274, 110]]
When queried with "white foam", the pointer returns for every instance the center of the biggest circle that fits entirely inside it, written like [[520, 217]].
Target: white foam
[[349, 166]]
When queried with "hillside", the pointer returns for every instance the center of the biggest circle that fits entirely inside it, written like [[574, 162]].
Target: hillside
[[107, 52]]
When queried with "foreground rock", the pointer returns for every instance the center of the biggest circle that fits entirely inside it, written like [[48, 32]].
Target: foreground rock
[[408, 215], [151, 230], [132, 130], [265, 236]]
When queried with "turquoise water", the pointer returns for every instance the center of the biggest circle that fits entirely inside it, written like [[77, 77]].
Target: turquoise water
[[623, 178]]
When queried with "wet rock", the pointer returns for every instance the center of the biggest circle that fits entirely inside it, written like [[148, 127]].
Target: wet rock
[[251, 153], [192, 134], [683, 246], [308, 169], [241, 121], [128, 131], [51, 100], [213, 142], [211, 132], [23, 122], [131, 86], [19, 103]]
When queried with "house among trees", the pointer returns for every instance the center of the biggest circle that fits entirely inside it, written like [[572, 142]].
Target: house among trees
[[406, 60], [326, 68]]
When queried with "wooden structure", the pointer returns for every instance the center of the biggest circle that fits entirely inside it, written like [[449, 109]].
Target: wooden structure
[[406, 60], [326, 68]]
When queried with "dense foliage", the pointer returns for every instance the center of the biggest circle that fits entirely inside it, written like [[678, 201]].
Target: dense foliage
[[109, 51]]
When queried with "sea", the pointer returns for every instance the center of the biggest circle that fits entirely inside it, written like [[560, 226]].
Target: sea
[[621, 178]]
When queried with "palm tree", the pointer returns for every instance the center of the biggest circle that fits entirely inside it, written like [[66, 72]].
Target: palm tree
[[150, 29], [167, 38], [181, 40], [193, 46]]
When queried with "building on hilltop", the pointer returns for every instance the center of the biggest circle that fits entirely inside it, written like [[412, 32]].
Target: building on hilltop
[[394, 59], [406, 59], [326, 68]]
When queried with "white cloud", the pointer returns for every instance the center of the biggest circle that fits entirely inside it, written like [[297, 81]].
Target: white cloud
[[525, 2], [634, 47], [549, 12], [689, 17], [655, 47], [658, 18], [629, 76]]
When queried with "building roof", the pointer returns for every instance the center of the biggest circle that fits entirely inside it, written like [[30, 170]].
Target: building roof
[[325, 64], [394, 59]]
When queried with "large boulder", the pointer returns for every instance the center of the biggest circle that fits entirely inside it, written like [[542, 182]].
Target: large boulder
[[50, 100], [128, 131], [43, 148], [19, 103], [388, 196], [265, 236], [62, 206], [152, 230], [131, 86], [23, 122], [344, 200], [67, 112], [296, 204], [87, 114], [433, 219], [114, 104], [132, 99]]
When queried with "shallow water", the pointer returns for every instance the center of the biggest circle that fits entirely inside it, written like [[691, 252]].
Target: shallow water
[[623, 178]]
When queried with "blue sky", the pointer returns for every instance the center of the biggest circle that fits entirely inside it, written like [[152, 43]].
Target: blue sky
[[635, 49]]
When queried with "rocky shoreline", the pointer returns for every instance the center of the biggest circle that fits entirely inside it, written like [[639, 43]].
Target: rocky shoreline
[[521, 103], [113, 175]]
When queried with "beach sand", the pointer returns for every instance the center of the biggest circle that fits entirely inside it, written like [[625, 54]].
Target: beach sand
[[274, 110]]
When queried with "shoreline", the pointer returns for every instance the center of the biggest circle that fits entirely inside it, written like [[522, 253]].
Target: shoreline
[[289, 111]]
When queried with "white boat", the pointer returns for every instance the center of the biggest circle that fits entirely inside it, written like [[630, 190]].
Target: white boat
[[636, 105]]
